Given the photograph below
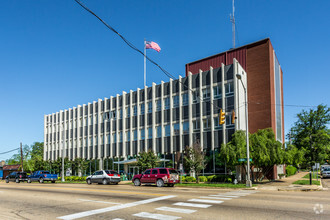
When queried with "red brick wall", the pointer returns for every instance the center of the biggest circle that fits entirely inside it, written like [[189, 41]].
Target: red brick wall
[[260, 76]]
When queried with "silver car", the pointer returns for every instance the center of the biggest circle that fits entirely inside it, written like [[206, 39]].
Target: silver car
[[103, 177], [326, 172]]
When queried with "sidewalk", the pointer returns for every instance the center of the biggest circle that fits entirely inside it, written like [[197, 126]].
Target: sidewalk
[[286, 184]]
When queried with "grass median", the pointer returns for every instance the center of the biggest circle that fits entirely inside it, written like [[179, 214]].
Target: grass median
[[306, 182], [221, 185]]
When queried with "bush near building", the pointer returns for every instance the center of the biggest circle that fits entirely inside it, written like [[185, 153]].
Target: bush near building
[[290, 170]]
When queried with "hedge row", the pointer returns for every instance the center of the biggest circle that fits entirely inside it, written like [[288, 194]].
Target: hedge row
[[73, 178], [212, 178]]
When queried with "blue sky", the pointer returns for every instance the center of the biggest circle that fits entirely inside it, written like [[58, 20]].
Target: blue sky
[[54, 55]]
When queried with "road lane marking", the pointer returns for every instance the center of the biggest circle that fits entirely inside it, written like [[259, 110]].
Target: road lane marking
[[155, 216], [225, 196], [86, 200], [117, 219], [210, 197], [169, 209], [94, 190], [113, 208], [192, 205], [205, 201]]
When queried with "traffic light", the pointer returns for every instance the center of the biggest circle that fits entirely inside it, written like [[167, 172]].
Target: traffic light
[[222, 117], [233, 117]]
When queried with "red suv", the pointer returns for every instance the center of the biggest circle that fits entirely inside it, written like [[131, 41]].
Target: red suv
[[158, 176]]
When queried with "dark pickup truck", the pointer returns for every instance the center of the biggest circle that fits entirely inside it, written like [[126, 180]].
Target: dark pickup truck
[[42, 176]]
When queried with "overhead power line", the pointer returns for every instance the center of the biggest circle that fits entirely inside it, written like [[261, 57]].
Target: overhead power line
[[9, 151]]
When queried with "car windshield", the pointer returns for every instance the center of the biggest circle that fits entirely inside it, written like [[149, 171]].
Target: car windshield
[[327, 169], [45, 172], [173, 172]]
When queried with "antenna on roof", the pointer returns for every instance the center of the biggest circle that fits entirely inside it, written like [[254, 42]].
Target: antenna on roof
[[232, 20]]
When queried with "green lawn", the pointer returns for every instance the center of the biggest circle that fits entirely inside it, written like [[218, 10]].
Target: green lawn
[[306, 182], [224, 185], [313, 176]]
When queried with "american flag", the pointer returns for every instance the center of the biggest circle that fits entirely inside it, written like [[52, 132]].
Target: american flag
[[152, 45]]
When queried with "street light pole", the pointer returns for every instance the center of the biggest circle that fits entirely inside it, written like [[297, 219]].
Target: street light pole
[[62, 153], [248, 180]]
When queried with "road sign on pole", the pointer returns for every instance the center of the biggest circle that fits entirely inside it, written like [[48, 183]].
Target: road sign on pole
[[243, 160]]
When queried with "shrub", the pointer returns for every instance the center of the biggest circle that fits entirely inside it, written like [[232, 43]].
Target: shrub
[[183, 179], [202, 179], [290, 170], [190, 179], [210, 178]]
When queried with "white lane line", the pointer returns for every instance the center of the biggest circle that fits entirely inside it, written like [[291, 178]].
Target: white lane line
[[169, 209], [113, 208], [209, 197], [205, 201], [86, 200], [117, 219], [224, 196], [155, 216], [192, 205]]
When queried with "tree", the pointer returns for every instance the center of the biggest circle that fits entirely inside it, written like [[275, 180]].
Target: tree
[[195, 159], [310, 133], [146, 160]]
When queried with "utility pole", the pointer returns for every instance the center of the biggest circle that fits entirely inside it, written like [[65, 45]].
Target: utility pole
[[22, 157]]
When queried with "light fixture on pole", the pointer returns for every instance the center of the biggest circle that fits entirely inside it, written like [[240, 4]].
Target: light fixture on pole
[[248, 181]]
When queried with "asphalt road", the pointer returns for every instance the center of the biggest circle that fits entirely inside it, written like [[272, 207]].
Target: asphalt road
[[326, 183], [82, 201]]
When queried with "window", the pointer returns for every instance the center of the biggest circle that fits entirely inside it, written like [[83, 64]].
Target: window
[[134, 110], [185, 127], [113, 114], [128, 112], [158, 105], [120, 113], [149, 132], [228, 120], [167, 103], [196, 125], [128, 136], [162, 171], [229, 88], [142, 109], [206, 93], [217, 126], [147, 172], [142, 134], [217, 91], [176, 129], [149, 107], [185, 99], [114, 137], [120, 136], [134, 135], [195, 96], [154, 171], [167, 130], [175, 101], [158, 131], [206, 123]]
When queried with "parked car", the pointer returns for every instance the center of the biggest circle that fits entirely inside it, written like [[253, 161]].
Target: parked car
[[104, 177], [16, 177], [326, 172], [41, 176], [158, 176]]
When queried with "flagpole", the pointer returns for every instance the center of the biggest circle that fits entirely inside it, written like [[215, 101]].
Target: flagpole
[[145, 64]]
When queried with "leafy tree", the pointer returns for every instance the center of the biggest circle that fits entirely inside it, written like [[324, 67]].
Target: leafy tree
[[310, 133], [146, 160], [294, 156], [266, 151], [195, 159]]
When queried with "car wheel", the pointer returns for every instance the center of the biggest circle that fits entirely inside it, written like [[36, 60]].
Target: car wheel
[[41, 180], [53, 181], [7, 180], [29, 180], [137, 182], [89, 182], [116, 183], [104, 182], [17, 180], [160, 183]]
